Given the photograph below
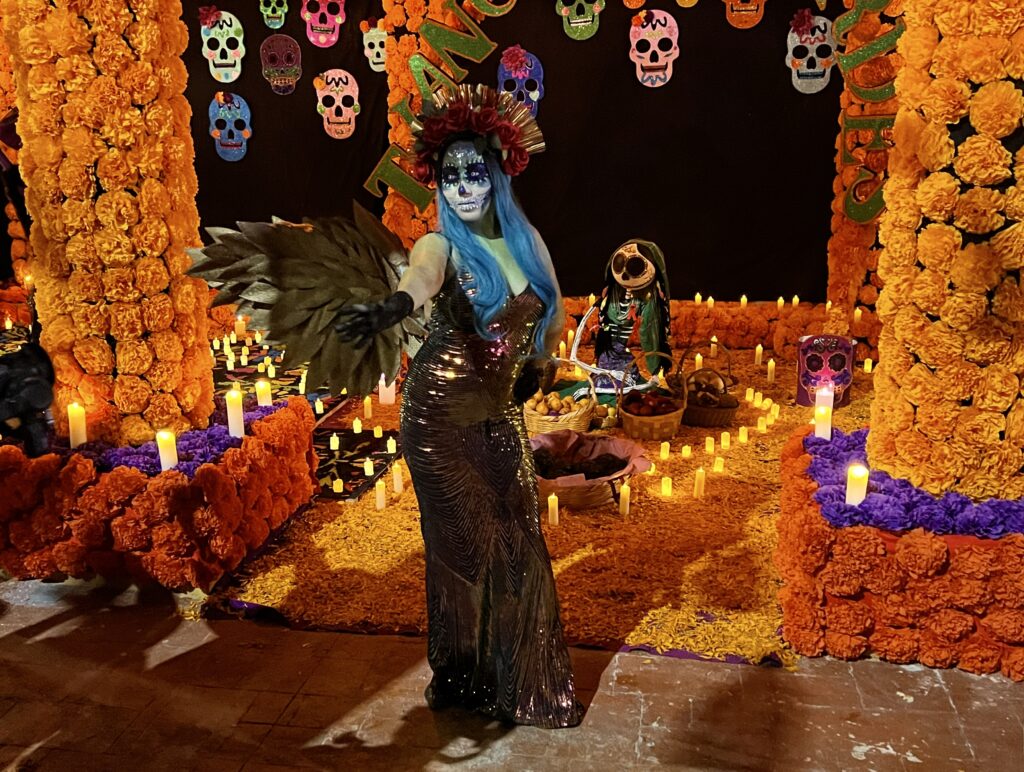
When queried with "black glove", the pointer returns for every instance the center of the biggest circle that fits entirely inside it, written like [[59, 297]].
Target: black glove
[[534, 375], [363, 321]]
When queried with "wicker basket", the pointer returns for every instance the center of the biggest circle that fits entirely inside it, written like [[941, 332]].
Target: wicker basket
[[577, 420], [592, 494], [701, 415], [654, 427]]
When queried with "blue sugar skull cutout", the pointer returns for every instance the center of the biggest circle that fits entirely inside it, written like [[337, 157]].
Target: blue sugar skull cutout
[[230, 125], [521, 74]]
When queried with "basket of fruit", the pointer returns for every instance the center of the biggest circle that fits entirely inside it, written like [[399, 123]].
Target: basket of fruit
[[584, 470], [708, 401], [648, 415], [551, 412]]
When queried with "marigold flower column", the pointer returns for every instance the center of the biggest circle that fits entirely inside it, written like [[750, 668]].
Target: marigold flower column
[[108, 160], [947, 413]]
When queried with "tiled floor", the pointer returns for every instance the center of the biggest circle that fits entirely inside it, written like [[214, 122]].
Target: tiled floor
[[93, 680]]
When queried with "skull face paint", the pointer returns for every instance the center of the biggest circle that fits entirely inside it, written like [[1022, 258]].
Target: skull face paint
[[281, 58], [337, 95], [653, 46], [810, 54], [744, 14], [373, 48], [631, 269], [323, 21], [824, 361], [273, 12], [230, 125], [465, 182], [521, 74], [580, 18], [223, 46]]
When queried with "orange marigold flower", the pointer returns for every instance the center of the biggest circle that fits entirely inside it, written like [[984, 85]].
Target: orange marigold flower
[[1008, 302], [982, 160], [996, 108], [946, 100], [982, 58], [938, 245], [1008, 246], [119, 284], [895, 645], [917, 45], [935, 652], [980, 656], [125, 320], [921, 553], [962, 310], [94, 355], [133, 356], [935, 148], [976, 269], [131, 393], [996, 17], [117, 209], [937, 194], [167, 346], [978, 211], [1013, 59], [151, 275], [1012, 665]]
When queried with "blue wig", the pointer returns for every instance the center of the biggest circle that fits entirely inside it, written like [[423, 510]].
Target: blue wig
[[488, 280]]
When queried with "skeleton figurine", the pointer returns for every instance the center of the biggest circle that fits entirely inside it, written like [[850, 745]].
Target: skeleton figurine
[[635, 298]]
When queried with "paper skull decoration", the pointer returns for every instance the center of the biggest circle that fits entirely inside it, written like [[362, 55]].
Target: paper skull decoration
[[374, 39], [824, 361], [223, 43], [323, 21], [337, 95], [521, 74], [580, 18], [653, 46], [810, 52], [281, 58], [744, 14], [631, 269], [273, 12], [230, 125]]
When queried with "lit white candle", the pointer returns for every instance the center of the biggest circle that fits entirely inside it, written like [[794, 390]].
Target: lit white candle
[[771, 371], [796, 301], [318, 406], [271, 371], [263, 396], [758, 398], [338, 486], [240, 326], [392, 446], [711, 302], [381, 494], [698, 299], [385, 392], [76, 425], [167, 445], [856, 484], [216, 344], [750, 394], [335, 441], [714, 346], [570, 338], [726, 441], [770, 418], [233, 337], [357, 426], [248, 341], [744, 435], [397, 482], [823, 422], [780, 302], [824, 396], [857, 314], [709, 445], [367, 408], [378, 431], [261, 367], [766, 404], [230, 365], [776, 410], [8, 324], [868, 365], [698, 362], [743, 301], [762, 425], [236, 423], [553, 509], [368, 467], [758, 353], [666, 486], [719, 464], [561, 349], [226, 343], [665, 449], [687, 451], [698, 483], [828, 306], [244, 360], [592, 298], [624, 493], [258, 337]]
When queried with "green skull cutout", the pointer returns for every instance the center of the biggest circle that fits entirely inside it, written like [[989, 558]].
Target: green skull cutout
[[580, 18]]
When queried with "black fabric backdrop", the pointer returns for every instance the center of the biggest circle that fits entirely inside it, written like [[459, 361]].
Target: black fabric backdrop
[[727, 167]]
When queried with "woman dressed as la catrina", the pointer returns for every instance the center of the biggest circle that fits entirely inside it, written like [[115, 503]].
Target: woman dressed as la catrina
[[495, 639]]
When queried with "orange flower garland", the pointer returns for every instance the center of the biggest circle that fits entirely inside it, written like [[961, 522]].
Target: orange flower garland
[[108, 161]]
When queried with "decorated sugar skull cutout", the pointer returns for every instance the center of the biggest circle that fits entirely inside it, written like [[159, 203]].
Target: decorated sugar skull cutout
[[223, 43], [521, 74], [824, 361], [374, 39], [323, 21], [744, 14], [281, 58], [630, 269], [273, 12], [337, 96], [580, 18], [653, 46], [810, 52], [230, 125]]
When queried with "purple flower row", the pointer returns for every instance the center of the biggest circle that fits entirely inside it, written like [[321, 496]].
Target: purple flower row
[[896, 505]]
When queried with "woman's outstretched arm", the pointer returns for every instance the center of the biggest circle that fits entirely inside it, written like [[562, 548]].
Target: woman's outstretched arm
[[427, 263]]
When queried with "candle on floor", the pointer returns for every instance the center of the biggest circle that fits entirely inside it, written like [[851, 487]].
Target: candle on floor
[[666, 486], [744, 435], [368, 467], [758, 398], [857, 314], [216, 344], [796, 301], [318, 406], [825, 396], [392, 446], [263, 396], [762, 425], [743, 301], [230, 364], [687, 451], [236, 423], [261, 367], [780, 302], [8, 324], [381, 494], [823, 422], [240, 326], [226, 343], [233, 338], [665, 449], [771, 371], [868, 365], [828, 306], [378, 431], [244, 360], [570, 338], [770, 419], [248, 341], [271, 371], [592, 298], [357, 426], [335, 441], [386, 391], [714, 346], [338, 486], [698, 483], [76, 425], [776, 410], [709, 445], [397, 481], [302, 383], [624, 494], [766, 404], [856, 484], [367, 408], [561, 349], [711, 302], [651, 470], [258, 337], [167, 445], [698, 362], [758, 353], [553, 509], [719, 464], [698, 299], [726, 441], [750, 394]]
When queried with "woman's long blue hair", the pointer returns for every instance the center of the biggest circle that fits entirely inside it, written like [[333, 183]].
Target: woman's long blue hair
[[492, 290]]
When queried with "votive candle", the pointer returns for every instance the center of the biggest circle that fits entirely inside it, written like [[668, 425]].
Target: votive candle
[[397, 481], [698, 362], [318, 406], [338, 486], [711, 302], [368, 467], [719, 464], [392, 446], [666, 486], [258, 337], [758, 398], [868, 365], [714, 346], [216, 344], [561, 349], [232, 337], [244, 360], [776, 410], [335, 441], [824, 396], [381, 494], [744, 435], [726, 441], [263, 396], [687, 451], [698, 483], [367, 408], [750, 394], [591, 299], [857, 314], [771, 371], [766, 404], [76, 425], [624, 493], [762, 425], [167, 445], [261, 367], [570, 338], [665, 449], [236, 423], [796, 301], [698, 299], [780, 302], [743, 301], [271, 371], [709, 445], [553, 509], [240, 326], [357, 426], [385, 391], [758, 353], [856, 484], [823, 422]]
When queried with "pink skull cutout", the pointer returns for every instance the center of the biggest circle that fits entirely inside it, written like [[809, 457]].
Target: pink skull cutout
[[323, 21], [337, 96], [653, 46]]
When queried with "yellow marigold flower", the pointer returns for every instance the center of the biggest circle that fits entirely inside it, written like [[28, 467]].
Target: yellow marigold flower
[[1013, 59], [158, 312], [1008, 245], [982, 58], [982, 160], [151, 275], [930, 291], [1008, 302], [117, 209], [978, 211], [935, 148], [946, 100], [996, 17], [1014, 203], [131, 393], [996, 108], [119, 285], [113, 247], [952, 17], [94, 355], [976, 269], [125, 320], [962, 310], [937, 245], [902, 208], [937, 195], [134, 356], [917, 45]]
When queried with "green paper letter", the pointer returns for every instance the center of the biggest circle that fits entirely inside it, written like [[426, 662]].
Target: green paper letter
[[396, 178], [488, 8], [474, 45]]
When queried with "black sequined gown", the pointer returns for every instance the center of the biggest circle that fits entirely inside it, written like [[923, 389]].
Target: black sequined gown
[[495, 640]]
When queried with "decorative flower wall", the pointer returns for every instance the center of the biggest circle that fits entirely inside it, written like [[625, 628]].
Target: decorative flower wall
[[108, 161], [948, 414]]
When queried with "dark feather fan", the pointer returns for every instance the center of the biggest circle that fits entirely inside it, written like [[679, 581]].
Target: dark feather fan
[[293, 279]]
